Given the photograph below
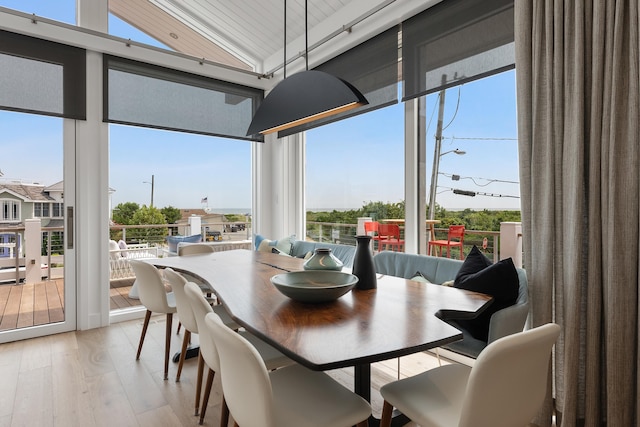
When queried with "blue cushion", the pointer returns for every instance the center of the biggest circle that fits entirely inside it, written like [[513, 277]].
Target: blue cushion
[[174, 240]]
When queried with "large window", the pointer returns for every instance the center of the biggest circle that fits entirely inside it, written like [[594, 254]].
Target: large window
[[354, 168], [10, 210]]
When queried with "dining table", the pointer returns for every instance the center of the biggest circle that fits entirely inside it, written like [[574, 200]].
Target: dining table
[[397, 318]]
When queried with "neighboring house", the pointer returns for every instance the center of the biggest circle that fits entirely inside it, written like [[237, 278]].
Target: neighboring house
[[211, 222], [20, 201]]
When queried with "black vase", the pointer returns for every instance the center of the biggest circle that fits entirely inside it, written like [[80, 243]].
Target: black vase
[[363, 267]]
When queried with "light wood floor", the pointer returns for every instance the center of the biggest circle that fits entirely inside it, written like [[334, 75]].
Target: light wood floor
[[91, 378]]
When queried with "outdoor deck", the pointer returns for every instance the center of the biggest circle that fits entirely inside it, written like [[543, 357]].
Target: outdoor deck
[[40, 303]]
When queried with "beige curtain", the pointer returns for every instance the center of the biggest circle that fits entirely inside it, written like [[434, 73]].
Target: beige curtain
[[578, 91]]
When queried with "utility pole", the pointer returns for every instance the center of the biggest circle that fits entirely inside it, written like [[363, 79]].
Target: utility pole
[[436, 153], [152, 185]]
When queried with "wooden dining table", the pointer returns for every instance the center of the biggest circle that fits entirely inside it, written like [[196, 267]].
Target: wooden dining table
[[398, 318]]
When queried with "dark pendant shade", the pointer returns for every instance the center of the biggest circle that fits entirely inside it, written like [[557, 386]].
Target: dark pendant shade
[[302, 98]]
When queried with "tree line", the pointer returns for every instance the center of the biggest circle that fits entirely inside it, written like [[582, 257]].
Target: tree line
[[486, 220]]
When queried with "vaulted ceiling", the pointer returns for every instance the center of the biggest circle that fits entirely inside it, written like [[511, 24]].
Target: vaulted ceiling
[[249, 34]]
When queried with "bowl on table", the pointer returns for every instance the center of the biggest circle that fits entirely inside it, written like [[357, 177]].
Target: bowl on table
[[314, 286]]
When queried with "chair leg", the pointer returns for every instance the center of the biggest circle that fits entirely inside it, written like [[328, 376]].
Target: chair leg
[[183, 352], [224, 414], [387, 411], [147, 317], [199, 381], [364, 423], [207, 393], [167, 345], [179, 326]]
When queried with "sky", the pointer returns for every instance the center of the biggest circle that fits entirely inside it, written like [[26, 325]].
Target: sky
[[349, 163]]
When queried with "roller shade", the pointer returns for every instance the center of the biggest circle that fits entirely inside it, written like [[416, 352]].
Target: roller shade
[[454, 42], [372, 67], [42, 77], [146, 95]]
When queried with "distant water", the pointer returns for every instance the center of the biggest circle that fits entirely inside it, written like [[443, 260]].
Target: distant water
[[227, 211]]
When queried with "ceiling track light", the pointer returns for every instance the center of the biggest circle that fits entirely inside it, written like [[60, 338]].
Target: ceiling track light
[[304, 97]]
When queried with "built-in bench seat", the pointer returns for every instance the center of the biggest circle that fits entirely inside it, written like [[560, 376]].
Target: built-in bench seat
[[440, 270]]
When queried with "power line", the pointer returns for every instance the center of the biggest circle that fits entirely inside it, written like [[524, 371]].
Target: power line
[[455, 177], [479, 193], [478, 138]]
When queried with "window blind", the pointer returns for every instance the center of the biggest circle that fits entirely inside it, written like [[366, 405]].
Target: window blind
[[42, 77], [147, 95], [454, 42]]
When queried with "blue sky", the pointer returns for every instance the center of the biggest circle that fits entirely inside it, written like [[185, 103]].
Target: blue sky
[[348, 163]]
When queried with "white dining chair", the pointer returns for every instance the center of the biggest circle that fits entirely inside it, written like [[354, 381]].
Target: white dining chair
[[505, 387], [293, 396], [188, 320], [154, 297], [209, 353]]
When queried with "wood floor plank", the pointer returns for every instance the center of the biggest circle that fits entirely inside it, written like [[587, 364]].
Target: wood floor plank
[[72, 405]]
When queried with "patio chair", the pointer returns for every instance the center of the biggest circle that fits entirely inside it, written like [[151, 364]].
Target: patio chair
[[389, 235], [505, 387], [371, 229], [455, 238]]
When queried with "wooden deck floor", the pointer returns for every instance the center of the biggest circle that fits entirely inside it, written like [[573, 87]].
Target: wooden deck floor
[[25, 305]]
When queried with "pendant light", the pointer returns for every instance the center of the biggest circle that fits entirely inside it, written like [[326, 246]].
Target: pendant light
[[304, 97]]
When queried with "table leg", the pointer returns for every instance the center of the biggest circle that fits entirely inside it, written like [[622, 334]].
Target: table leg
[[362, 387]]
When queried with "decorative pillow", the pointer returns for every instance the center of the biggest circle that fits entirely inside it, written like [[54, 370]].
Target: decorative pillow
[[473, 263], [500, 280], [257, 240], [174, 240], [122, 244], [282, 246], [419, 277]]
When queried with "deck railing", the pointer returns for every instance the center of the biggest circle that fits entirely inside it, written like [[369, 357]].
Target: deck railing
[[13, 262], [487, 241]]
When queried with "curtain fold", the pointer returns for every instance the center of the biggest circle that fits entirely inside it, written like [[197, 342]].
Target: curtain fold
[[578, 86]]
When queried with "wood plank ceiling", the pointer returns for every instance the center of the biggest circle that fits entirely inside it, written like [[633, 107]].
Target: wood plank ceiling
[[240, 34]]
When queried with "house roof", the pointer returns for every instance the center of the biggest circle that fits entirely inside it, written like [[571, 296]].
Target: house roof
[[26, 192]]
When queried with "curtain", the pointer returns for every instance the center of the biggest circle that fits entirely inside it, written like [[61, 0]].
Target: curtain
[[578, 89]]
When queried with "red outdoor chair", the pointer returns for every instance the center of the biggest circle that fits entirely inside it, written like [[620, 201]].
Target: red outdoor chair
[[455, 237], [371, 229], [389, 235]]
